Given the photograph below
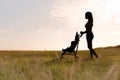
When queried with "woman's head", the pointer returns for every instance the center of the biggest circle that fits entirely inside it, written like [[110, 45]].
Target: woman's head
[[88, 15]]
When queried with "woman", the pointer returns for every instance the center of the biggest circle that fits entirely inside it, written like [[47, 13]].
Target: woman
[[89, 33]]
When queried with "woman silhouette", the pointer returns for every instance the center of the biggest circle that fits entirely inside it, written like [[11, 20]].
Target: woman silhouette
[[89, 33]]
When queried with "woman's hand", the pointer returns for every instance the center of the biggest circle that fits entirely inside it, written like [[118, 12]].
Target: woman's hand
[[82, 32]]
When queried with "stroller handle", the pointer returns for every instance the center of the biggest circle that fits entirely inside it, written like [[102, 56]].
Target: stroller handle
[[80, 35]]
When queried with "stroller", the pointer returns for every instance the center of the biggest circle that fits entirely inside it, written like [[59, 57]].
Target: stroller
[[74, 44]]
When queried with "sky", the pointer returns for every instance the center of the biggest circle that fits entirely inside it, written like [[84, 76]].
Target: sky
[[52, 24]]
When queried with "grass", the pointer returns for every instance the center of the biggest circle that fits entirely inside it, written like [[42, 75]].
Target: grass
[[46, 65]]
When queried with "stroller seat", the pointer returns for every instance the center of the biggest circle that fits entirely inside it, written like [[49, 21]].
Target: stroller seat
[[72, 47], [74, 44]]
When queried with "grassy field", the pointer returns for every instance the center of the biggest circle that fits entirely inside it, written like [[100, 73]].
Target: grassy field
[[46, 65]]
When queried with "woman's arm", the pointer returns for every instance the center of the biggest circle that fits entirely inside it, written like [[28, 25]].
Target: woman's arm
[[82, 32]]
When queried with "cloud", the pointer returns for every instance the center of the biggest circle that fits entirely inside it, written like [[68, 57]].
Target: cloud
[[71, 12], [105, 13], [41, 30], [65, 11]]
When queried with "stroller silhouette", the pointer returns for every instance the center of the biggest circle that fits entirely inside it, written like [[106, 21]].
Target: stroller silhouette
[[74, 44]]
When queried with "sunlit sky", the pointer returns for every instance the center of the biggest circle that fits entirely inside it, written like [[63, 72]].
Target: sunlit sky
[[52, 24]]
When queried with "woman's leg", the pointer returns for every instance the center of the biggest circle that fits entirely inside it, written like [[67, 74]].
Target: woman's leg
[[92, 52], [90, 47]]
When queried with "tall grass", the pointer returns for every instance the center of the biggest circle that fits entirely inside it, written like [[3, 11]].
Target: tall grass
[[46, 65]]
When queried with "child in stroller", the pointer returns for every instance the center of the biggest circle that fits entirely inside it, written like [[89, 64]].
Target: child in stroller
[[72, 47]]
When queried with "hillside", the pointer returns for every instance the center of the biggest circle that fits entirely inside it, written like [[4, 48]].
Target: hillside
[[46, 65]]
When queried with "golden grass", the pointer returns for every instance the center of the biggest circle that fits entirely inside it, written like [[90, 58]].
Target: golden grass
[[46, 65]]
